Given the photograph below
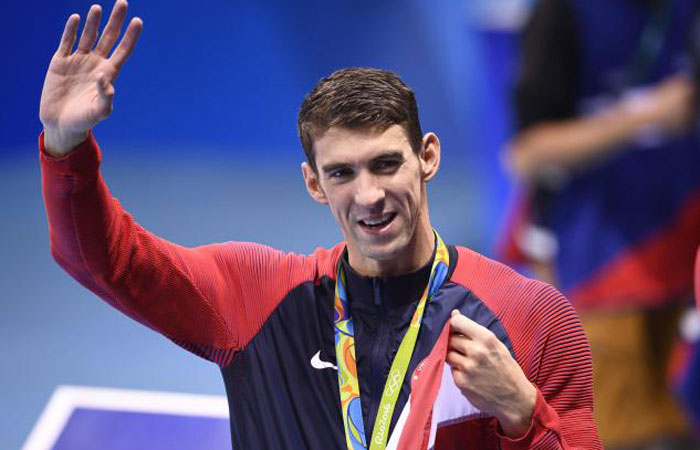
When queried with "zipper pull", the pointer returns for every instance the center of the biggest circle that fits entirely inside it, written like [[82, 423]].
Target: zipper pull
[[377, 291]]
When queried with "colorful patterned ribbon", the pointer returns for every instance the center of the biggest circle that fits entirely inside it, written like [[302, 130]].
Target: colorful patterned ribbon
[[347, 366]]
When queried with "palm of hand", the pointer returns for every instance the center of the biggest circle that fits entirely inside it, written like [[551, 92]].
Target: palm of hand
[[77, 92]]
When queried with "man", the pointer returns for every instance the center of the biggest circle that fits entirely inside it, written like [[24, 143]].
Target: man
[[604, 103], [452, 350]]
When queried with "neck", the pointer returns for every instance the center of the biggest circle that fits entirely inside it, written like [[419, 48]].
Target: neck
[[411, 258]]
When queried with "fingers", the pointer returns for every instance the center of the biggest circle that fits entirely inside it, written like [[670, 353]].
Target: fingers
[[463, 325], [128, 42], [68, 38], [112, 29], [109, 36], [464, 347], [92, 23], [458, 361]]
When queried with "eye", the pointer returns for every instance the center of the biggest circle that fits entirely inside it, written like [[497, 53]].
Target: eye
[[340, 173], [386, 166]]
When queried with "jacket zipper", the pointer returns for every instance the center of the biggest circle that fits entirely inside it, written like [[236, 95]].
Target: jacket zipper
[[378, 356]]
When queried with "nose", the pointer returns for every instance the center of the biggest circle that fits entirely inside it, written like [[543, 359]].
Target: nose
[[369, 191]]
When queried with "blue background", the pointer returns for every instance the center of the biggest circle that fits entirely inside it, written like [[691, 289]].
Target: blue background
[[202, 147]]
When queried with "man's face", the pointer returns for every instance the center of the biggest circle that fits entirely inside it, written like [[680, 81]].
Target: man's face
[[374, 184]]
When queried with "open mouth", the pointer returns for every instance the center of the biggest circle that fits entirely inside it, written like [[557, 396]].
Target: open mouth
[[378, 223]]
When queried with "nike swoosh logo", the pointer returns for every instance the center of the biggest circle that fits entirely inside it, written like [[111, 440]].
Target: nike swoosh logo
[[316, 362]]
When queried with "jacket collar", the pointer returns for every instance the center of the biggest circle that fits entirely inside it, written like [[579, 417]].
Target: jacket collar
[[369, 293]]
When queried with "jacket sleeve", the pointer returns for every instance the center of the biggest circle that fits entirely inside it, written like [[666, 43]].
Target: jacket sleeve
[[210, 300], [558, 362]]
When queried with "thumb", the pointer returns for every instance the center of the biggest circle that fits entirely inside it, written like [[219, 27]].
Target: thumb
[[105, 92], [105, 86], [455, 321], [464, 325]]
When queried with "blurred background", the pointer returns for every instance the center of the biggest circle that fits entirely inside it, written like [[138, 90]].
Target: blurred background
[[202, 147]]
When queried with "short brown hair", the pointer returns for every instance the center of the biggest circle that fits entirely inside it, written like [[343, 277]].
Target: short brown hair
[[358, 98]]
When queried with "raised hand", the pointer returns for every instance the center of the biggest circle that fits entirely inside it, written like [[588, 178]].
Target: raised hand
[[486, 373], [79, 86]]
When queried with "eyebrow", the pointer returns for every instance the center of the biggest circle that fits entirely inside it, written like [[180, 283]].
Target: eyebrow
[[389, 154]]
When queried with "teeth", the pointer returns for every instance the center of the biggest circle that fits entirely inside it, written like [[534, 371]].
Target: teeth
[[375, 222]]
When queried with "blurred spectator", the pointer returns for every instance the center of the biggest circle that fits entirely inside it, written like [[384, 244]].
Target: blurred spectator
[[685, 367], [686, 370], [687, 375], [610, 162]]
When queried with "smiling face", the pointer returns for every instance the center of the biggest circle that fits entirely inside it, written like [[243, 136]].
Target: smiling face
[[374, 184]]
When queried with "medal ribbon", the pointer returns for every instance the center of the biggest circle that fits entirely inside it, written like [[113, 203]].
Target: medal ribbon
[[347, 364]]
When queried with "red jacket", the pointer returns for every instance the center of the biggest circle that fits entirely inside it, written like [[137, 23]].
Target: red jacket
[[262, 315]]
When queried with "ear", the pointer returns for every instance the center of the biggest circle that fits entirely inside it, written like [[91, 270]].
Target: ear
[[311, 181], [430, 156]]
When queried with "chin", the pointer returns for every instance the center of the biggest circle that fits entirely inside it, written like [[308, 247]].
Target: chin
[[387, 251]]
